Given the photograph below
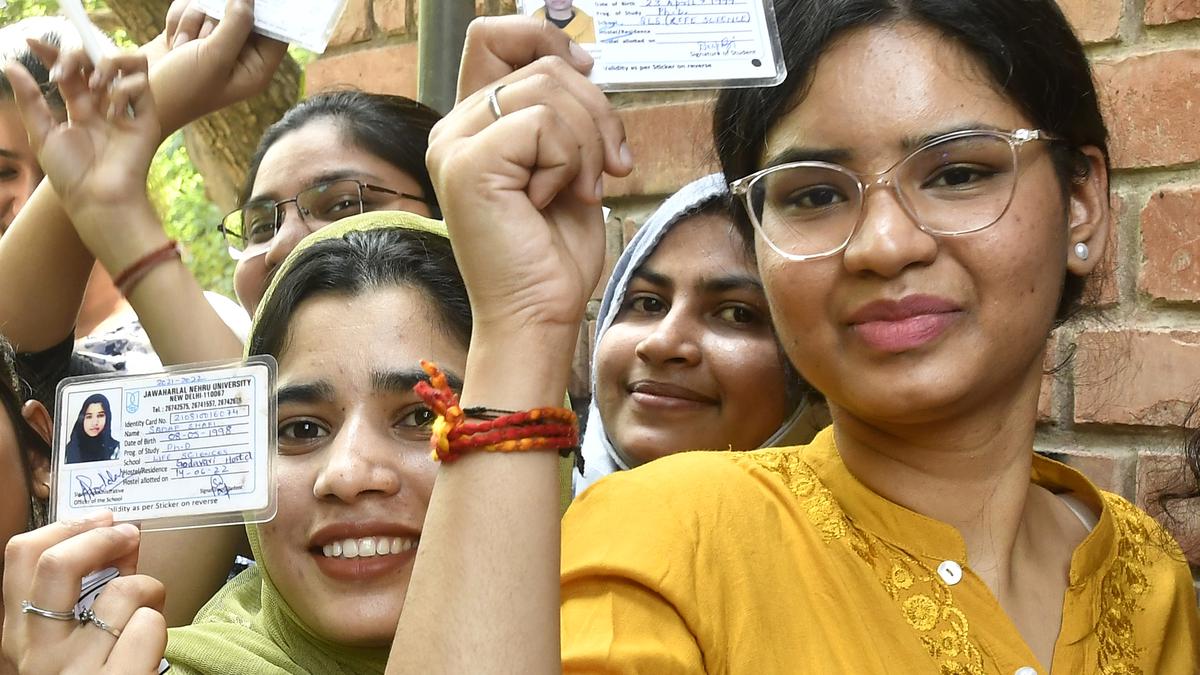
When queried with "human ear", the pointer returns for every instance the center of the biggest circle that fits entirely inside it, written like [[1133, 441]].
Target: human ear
[[1088, 214], [38, 419]]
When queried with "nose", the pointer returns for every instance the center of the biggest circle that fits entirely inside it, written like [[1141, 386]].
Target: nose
[[292, 228], [887, 240], [672, 340], [363, 458]]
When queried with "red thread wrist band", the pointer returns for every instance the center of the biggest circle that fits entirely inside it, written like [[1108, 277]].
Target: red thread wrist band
[[498, 430], [127, 280]]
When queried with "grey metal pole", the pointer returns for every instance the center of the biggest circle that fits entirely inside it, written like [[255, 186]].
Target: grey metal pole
[[441, 31]]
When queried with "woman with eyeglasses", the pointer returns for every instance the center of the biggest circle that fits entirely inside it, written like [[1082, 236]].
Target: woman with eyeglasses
[[927, 193]]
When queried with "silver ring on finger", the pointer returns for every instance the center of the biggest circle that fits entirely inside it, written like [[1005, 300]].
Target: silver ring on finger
[[28, 607], [494, 101], [88, 616]]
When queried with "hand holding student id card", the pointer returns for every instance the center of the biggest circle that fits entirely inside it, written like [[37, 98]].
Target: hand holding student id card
[[671, 44], [187, 447], [306, 23]]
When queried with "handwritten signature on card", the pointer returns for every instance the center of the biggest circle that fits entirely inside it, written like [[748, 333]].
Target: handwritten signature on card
[[93, 485]]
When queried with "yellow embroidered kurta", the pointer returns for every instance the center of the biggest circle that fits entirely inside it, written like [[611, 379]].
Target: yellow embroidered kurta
[[581, 28], [780, 561]]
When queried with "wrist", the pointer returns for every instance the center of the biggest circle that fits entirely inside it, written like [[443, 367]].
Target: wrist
[[519, 367], [118, 240]]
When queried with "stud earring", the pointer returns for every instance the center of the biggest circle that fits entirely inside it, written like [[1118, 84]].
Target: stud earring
[[1081, 251]]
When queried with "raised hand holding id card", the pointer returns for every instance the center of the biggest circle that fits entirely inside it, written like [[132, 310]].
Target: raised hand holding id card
[[308, 24], [671, 44], [186, 447]]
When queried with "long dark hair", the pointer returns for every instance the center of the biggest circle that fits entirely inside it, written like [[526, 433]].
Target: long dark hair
[[393, 128], [1026, 46], [360, 261], [87, 448], [29, 442]]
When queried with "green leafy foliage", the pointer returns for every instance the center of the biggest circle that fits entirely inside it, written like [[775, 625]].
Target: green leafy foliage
[[177, 191], [174, 185]]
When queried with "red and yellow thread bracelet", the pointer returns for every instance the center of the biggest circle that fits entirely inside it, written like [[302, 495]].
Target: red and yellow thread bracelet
[[129, 278], [499, 430]]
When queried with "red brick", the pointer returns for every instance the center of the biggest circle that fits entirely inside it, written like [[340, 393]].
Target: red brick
[[391, 16], [354, 25], [383, 70], [1094, 20], [581, 370], [671, 144], [613, 245], [1159, 12], [1171, 249], [1109, 471], [1151, 103], [629, 227], [1136, 377], [1166, 471]]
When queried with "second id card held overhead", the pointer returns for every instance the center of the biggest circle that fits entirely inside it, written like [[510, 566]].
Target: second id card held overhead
[[186, 447], [671, 44]]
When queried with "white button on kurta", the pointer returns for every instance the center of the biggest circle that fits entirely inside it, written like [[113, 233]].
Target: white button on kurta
[[1026, 670], [951, 573]]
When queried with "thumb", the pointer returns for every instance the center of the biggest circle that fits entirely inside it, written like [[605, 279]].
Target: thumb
[[232, 30]]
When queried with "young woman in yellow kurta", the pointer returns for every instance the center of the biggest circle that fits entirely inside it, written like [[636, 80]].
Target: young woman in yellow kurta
[[927, 193]]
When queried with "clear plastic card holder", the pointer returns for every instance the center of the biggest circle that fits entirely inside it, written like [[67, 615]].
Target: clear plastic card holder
[[190, 446], [642, 45], [308, 24]]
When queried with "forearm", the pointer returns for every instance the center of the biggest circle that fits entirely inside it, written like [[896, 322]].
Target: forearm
[[484, 595], [183, 327], [44, 268]]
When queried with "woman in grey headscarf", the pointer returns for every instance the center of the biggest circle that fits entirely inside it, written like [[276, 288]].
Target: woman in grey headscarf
[[685, 352]]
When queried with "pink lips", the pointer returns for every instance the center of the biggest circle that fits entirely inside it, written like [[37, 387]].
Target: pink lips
[[667, 396], [898, 326]]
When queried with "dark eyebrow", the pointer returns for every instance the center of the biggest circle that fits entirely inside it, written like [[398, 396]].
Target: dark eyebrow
[[842, 155], [402, 381], [651, 277], [309, 392], [732, 282], [326, 177], [4, 152]]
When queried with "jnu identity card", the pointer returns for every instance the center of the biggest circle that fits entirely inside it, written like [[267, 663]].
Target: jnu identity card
[[182, 448], [671, 44]]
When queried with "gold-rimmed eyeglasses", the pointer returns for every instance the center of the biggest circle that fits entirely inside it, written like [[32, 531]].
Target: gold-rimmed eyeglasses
[[955, 184], [255, 224]]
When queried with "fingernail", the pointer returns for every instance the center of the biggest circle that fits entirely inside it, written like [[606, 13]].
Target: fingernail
[[580, 55], [600, 188], [180, 40], [126, 529], [626, 154], [55, 73], [94, 80]]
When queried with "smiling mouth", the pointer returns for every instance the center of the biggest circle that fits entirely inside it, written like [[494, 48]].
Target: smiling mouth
[[368, 547]]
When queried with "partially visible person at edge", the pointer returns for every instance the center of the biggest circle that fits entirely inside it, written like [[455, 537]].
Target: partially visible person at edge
[[353, 472], [338, 153], [110, 336], [920, 533], [25, 432], [685, 356], [575, 22]]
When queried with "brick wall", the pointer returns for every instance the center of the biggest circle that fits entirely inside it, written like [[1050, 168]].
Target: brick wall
[[1116, 408]]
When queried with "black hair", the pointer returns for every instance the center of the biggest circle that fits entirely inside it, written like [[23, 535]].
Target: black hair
[[363, 260], [84, 448], [22, 54], [29, 441], [393, 128], [1026, 46]]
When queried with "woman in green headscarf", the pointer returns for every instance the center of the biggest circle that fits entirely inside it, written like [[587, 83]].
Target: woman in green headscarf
[[352, 311]]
